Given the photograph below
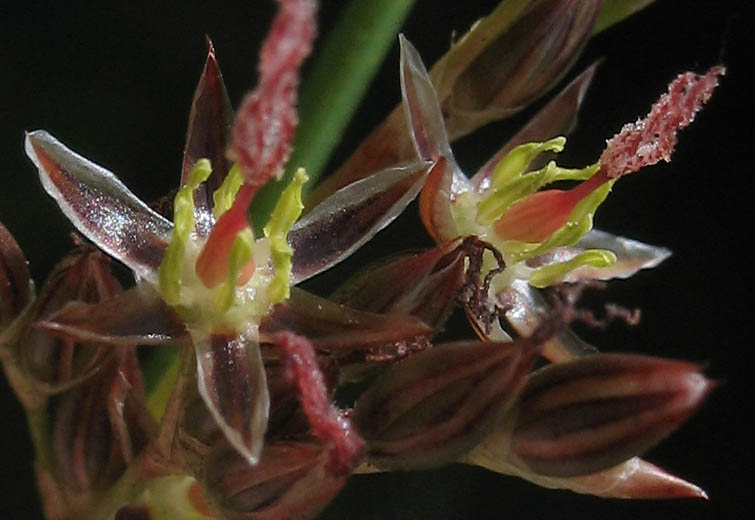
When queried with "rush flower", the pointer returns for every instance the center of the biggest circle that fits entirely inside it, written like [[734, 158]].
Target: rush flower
[[506, 205], [543, 236], [538, 237], [215, 276], [222, 282], [205, 280], [254, 414]]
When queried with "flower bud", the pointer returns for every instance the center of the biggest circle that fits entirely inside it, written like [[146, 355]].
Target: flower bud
[[518, 63], [15, 284], [431, 408], [424, 285], [287, 419], [55, 362], [587, 415], [100, 426], [290, 481], [632, 479]]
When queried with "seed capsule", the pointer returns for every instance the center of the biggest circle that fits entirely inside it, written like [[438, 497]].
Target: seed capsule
[[15, 289], [57, 363], [434, 406], [587, 415], [290, 481], [101, 425]]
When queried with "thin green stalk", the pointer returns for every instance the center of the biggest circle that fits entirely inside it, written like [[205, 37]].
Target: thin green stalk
[[128, 487], [39, 431], [160, 374]]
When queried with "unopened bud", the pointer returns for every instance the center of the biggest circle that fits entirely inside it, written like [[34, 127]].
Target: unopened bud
[[587, 415], [100, 426], [424, 285], [518, 64], [55, 362], [434, 406], [15, 288], [289, 481]]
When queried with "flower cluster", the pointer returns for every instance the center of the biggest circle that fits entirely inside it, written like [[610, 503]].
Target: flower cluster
[[246, 407]]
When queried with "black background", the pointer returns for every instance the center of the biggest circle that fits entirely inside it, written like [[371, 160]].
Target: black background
[[114, 83]]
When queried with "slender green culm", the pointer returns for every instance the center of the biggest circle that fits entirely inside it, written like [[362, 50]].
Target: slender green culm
[[615, 11]]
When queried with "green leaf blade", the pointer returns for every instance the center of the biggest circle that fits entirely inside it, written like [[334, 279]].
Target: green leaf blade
[[615, 11]]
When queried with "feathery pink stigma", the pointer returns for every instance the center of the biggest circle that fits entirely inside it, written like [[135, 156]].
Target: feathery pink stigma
[[264, 128], [265, 122], [538, 216], [653, 138], [328, 423]]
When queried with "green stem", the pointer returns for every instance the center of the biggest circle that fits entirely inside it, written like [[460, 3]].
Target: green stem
[[39, 429], [160, 374], [128, 487], [184, 377], [615, 11]]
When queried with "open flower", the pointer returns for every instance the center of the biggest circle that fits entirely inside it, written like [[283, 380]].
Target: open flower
[[504, 204], [248, 425], [543, 236], [538, 237], [509, 38], [205, 278]]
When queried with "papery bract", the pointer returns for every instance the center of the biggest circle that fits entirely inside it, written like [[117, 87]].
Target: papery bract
[[520, 65], [16, 290]]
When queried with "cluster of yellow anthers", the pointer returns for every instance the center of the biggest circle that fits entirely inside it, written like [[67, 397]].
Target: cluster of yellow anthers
[[237, 287]]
